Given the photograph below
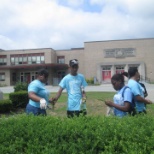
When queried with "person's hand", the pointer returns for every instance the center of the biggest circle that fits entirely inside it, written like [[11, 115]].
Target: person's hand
[[108, 103], [52, 100], [43, 103], [149, 101]]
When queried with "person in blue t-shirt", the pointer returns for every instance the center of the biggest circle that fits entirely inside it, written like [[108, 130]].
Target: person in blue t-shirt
[[38, 95], [122, 99], [74, 83], [137, 90]]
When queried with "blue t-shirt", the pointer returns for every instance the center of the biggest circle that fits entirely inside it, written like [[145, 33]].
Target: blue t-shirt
[[137, 90], [38, 88], [73, 85], [119, 99]]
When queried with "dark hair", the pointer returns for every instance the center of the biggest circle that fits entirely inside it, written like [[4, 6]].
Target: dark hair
[[125, 74], [43, 72], [118, 77], [132, 71]]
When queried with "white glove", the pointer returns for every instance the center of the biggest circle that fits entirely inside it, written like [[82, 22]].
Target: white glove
[[43, 104], [84, 100]]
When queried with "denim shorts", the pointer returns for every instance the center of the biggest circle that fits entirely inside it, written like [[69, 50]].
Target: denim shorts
[[34, 110]]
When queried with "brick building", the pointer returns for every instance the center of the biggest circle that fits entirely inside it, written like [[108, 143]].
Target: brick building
[[97, 59]]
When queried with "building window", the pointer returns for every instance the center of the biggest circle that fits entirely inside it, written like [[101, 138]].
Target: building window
[[35, 58], [2, 76], [2, 59], [61, 60], [105, 68], [119, 69]]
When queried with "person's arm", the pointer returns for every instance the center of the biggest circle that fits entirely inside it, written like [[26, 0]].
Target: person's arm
[[83, 92], [141, 99], [58, 94], [54, 99], [124, 108], [34, 97]]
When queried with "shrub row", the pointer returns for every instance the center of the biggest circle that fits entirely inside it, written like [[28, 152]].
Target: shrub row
[[19, 99], [5, 105], [16, 100], [83, 135]]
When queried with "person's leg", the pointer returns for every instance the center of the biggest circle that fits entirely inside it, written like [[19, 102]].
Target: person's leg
[[143, 112], [42, 112], [77, 113], [83, 112], [71, 114]]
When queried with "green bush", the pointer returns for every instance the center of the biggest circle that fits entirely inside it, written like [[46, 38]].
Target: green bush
[[90, 81], [83, 135], [20, 86], [19, 99], [5, 105]]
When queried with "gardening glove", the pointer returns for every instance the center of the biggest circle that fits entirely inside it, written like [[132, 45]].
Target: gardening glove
[[83, 104], [43, 104], [84, 99]]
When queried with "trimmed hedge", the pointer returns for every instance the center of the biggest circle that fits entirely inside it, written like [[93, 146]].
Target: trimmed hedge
[[83, 135], [19, 99], [5, 105]]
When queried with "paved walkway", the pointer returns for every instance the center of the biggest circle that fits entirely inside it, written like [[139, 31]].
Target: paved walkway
[[103, 87]]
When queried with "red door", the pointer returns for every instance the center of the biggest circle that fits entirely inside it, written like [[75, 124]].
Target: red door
[[106, 75]]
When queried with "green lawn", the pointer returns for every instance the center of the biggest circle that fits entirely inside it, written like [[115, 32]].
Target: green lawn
[[94, 105]]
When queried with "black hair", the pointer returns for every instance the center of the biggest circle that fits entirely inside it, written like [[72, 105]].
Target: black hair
[[125, 74], [132, 71], [118, 77], [43, 71]]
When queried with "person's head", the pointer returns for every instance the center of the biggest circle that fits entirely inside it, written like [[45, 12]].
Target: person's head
[[74, 65], [133, 73], [43, 75], [117, 81]]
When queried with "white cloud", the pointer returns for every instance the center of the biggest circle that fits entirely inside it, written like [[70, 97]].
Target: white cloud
[[49, 23]]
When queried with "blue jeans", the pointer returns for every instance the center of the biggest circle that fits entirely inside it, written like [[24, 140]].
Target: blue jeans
[[34, 110]]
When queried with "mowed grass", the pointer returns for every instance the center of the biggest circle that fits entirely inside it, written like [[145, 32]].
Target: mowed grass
[[95, 107]]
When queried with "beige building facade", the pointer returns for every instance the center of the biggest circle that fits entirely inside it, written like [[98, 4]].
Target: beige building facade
[[98, 60]]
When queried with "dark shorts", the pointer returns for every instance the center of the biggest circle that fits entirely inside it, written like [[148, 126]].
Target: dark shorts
[[71, 114], [142, 112], [34, 110]]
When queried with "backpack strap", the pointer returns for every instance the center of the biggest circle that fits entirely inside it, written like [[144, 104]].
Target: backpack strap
[[132, 110], [124, 90]]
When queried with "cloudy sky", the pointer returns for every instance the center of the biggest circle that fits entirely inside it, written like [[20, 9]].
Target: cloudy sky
[[65, 24]]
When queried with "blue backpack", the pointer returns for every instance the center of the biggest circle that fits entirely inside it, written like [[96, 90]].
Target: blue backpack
[[132, 110]]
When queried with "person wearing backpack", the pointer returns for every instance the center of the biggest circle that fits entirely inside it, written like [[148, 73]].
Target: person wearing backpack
[[122, 100], [137, 90]]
